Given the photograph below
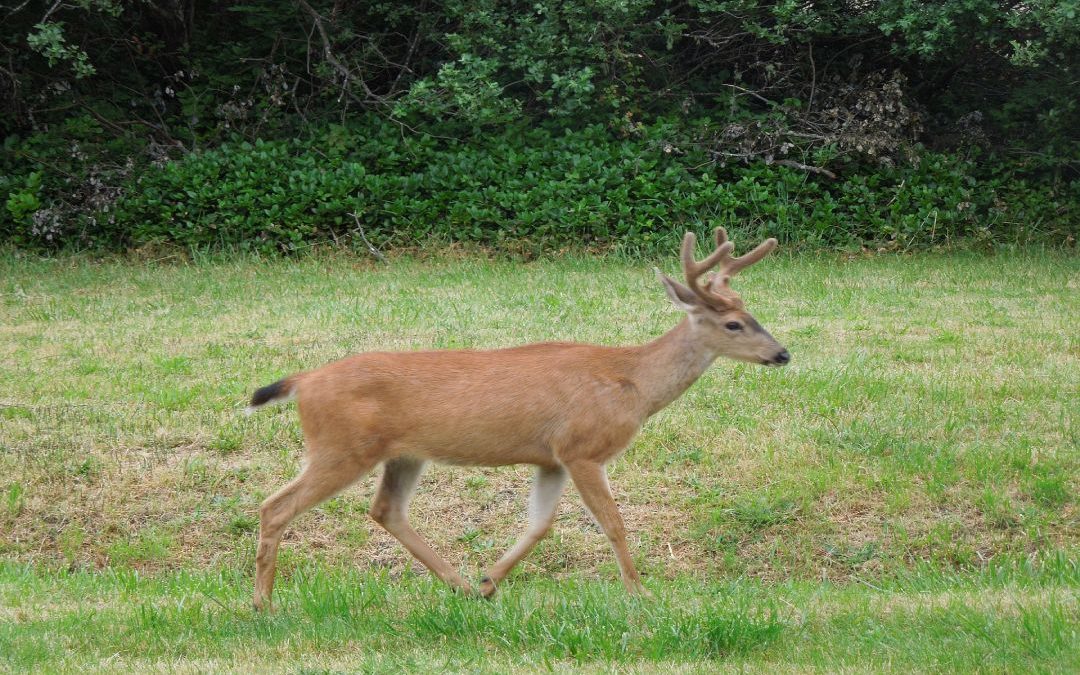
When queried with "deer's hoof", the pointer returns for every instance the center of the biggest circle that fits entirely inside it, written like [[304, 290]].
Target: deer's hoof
[[637, 589], [644, 593], [262, 607], [487, 588]]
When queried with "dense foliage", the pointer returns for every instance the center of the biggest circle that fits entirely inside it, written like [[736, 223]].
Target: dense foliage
[[270, 124], [556, 188]]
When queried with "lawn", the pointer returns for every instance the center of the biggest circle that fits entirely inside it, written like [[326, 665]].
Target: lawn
[[903, 495]]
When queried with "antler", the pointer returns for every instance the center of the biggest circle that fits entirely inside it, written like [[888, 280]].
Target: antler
[[717, 287], [693, 269]]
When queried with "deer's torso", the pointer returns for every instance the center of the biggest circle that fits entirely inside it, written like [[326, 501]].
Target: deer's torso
[[507, 406]]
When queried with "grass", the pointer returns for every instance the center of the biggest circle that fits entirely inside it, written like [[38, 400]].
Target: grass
[[1012, 617], [851, 508]]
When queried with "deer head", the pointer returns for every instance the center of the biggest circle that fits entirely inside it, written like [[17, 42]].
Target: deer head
[[715, 311]]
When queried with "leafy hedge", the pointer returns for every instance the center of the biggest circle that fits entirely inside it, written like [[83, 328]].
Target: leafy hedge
[[555, 188], [898, 124]]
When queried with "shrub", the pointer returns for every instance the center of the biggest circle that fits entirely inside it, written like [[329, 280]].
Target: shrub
[[262, 195], [558, 188]]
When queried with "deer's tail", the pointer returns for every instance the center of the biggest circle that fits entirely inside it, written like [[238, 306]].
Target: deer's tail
[[282, 390]]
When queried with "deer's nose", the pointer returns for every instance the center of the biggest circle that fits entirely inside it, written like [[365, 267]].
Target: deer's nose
[[782, 358]]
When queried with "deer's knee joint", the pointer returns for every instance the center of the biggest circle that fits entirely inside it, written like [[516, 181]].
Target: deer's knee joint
[[385, 514], [270, 520], [377, 514], [265, 555], [272, 505], [539, 531]]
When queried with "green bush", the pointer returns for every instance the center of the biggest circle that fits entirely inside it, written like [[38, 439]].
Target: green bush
[[559, 188], [262, 195]]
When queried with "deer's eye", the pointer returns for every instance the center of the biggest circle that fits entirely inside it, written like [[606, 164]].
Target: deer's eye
[[733, 325]]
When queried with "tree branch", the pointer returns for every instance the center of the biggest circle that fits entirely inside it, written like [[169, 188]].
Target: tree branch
[[371, 248], [805, 167], [341, 68]]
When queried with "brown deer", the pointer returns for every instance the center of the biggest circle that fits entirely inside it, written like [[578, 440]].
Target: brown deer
[[566, 408]]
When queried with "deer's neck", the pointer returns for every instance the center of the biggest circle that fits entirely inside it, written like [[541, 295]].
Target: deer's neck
[[670, 364]]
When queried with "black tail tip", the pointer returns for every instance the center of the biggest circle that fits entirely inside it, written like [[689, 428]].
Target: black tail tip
[[267, 393]]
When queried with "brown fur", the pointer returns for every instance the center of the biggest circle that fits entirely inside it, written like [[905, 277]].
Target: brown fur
[[567, 408]]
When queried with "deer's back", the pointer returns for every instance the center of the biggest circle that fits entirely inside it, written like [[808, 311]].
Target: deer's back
[[479, 407]]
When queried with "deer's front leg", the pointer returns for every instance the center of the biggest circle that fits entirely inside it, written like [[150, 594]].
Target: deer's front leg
[[547, 488], [590, 478]]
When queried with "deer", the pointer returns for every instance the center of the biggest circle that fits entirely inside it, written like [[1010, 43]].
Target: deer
[[566, 408]]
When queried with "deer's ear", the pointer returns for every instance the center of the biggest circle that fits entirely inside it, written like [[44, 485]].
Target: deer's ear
[[681, 296]]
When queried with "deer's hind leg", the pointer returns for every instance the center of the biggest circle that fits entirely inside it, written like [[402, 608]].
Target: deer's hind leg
[[390, 510], [325, 475]]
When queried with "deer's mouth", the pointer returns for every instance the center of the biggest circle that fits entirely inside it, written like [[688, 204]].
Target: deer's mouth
[[781, 359]]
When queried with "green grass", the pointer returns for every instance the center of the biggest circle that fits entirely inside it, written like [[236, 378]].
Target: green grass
[[1014, 617], [853, 507]]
